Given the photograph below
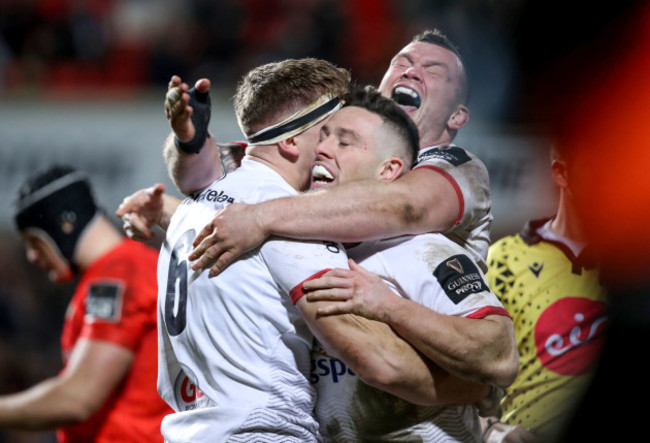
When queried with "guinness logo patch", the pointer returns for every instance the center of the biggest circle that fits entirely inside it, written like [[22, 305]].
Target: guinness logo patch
[[459, 277], [455, 265]]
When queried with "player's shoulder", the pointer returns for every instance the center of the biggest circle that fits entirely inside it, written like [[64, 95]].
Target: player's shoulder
[[507, 242], [435, 249], [131, 251], [452, 154], [431, 245], [252, 182], [443, 244], [459, 277], [127, 261], [507, 248], [527, 241], [514, 255]]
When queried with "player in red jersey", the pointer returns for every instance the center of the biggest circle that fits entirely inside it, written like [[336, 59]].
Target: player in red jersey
[[106, 391]]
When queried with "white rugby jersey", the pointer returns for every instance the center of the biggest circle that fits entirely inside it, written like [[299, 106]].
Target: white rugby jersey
[[234, 351], [437, 273], [469, 177]]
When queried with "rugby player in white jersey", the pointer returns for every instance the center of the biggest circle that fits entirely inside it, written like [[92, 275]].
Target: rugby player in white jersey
[[446, 191], [427, 269], [234, 350]]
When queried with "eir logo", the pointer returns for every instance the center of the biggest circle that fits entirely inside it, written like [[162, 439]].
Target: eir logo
[[569, 335]]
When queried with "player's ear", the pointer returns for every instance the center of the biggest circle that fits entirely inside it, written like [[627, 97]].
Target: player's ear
[[458, 118], [390, 169], [289, 148], [559, 171]]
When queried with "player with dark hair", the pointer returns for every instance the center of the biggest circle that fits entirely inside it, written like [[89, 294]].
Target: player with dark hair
[[370, 138], [396, 132], [237, 336], [107, 388], [428, 79], [446, 191]]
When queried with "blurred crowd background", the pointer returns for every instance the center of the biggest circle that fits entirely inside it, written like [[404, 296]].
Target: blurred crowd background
[[83, 82], [62, 46]]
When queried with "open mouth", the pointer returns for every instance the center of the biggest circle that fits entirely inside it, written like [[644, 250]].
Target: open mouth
[[320, 175], [406, 97]]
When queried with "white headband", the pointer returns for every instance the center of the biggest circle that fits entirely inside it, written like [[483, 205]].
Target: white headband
[[297, 122]]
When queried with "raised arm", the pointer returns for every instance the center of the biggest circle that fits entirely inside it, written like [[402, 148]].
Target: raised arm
[[190, 153], [422, 200], [94, 370], [478, 349]]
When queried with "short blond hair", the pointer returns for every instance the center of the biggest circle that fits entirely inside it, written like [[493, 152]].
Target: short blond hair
[[273, 91]]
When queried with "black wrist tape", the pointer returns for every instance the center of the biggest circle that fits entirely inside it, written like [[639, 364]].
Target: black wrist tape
[[200, 103]]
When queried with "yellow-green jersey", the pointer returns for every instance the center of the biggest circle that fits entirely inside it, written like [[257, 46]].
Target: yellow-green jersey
[[559, 312]]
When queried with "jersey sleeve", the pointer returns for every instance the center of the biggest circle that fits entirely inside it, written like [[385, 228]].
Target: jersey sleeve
[[119, 306], [466, 173], [292, 262], [465, 291], [438, 274], [469, 177]]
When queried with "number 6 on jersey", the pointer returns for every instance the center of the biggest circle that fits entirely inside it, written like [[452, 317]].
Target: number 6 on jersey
[[176, 295]]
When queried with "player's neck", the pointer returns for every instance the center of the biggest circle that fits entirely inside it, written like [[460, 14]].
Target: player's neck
[[566, 221], [432, 137], [293, 173], [99, 238]]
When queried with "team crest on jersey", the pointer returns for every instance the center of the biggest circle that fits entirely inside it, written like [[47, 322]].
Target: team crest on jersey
[[453, 154], [104, 301], [459, 277]]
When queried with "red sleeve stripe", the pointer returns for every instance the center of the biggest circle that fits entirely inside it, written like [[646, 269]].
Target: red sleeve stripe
[[459, 193], [488, 310], [297, 291]]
